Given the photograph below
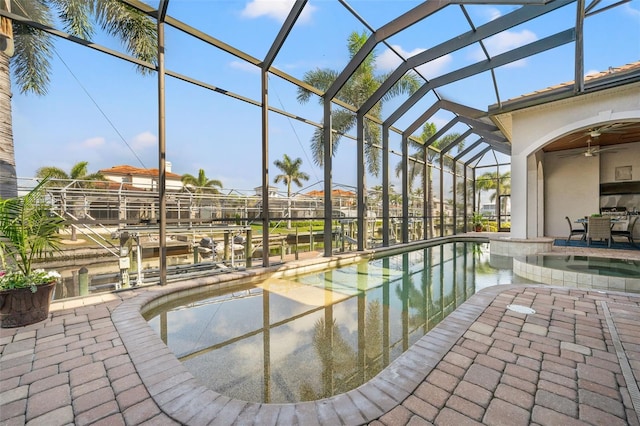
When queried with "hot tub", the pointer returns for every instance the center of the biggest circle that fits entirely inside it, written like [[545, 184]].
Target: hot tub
[[580, 271]]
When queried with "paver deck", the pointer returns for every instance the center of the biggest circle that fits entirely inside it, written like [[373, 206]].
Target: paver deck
[[576, 360]]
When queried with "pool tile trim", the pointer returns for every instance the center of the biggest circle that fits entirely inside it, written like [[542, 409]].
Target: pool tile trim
[[176, 391], [562, 278]]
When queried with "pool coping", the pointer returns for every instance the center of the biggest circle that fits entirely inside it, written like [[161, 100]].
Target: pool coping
[[562, 278], [183, 398]]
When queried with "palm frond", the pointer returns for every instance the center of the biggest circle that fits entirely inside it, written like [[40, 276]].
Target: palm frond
[[31, 63], [407, 85], [318, 78], [79, 170], [28, 228], [51, 172], [134, 29], [74, 14]]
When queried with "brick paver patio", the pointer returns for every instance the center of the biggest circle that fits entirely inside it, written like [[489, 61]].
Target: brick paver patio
[[576, 360]]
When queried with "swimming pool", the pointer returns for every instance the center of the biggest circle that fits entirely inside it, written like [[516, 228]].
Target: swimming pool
[[317, 335], [580, 271]]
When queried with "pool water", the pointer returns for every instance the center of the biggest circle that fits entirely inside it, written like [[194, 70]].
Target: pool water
[[589, 264], [318, 335]]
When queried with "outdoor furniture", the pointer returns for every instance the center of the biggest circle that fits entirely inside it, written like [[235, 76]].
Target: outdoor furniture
[[628, 233], [573, 231], [599, 228]]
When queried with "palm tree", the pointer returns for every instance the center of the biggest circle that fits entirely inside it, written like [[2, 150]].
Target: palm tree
[[416, 169], [487, 182], [502, 187], [34, 49], [290, 174], [201, 183], [360, 87], [78, 172]]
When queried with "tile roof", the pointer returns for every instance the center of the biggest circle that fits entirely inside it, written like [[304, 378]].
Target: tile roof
[[634, 66], [110, 185], [135, 171], [335, 192]]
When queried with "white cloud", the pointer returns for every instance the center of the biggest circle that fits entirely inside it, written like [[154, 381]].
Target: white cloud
[[94, 142], [144, 140], [275, 9], [389, 61], [631, 11], [492, 13], [504, 42], [244, 66]]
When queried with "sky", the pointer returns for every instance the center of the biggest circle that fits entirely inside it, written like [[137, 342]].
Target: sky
[[99, 109]]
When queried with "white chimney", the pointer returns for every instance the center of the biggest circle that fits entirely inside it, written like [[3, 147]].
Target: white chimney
[[167, 166]]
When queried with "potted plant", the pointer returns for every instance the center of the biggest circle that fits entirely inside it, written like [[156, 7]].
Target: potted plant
[[28, 229], [477, 221]]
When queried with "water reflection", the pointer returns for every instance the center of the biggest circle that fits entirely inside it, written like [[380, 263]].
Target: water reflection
[[317, 335]]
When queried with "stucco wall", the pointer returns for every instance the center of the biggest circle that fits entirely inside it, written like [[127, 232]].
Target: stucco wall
[[571, 186]]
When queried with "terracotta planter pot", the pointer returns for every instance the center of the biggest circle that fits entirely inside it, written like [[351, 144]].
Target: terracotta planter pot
[[20, 307]]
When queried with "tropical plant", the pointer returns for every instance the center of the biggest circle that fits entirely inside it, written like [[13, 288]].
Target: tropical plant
[[485, 182], [478, 221], [290, 172], [202, 183], [416, 169], [492, 181], [358, 89], [28, 229], [34, 49], [503, 188], [79, 172]]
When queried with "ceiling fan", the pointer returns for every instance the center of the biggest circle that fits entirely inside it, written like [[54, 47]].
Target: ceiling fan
[[591, 151], [592, 136]]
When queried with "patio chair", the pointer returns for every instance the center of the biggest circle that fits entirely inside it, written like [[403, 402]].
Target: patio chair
[[599, 228], [628, 233], [573, 231]]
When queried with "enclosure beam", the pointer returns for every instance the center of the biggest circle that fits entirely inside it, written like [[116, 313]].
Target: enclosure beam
[[468, 149], [265, 166], [264, 76], [385, 185], [496, 26], [285, 29], [328, 178], [454, 195], [579, 48], [441, 197], [457, 141], [426, 195], [162, 147], [405, 189], [393, 27], [465, 196], [522, 52], [360, 183]]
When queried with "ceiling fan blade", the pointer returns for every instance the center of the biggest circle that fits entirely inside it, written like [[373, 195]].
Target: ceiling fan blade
[[570, 141], [573, 154], [615, 127], [611, 150]]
